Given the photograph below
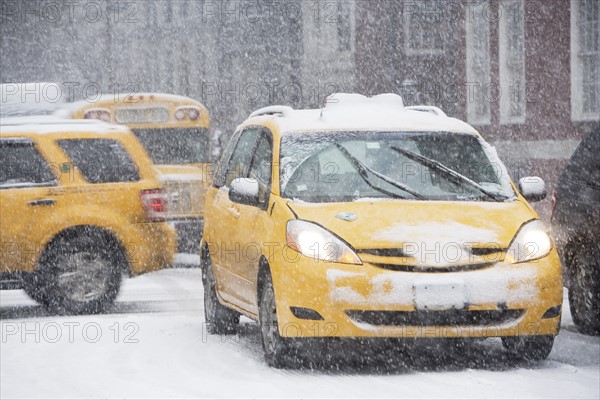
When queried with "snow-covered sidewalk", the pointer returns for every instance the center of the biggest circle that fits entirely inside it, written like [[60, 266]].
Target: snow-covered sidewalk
[[154, 345]]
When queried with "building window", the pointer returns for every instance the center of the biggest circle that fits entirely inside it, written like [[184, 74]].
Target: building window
[[585, 72], [168, 12], [184, 9], [478, 64], [151, 17], [344, 26], [423, 30], [512, 62]]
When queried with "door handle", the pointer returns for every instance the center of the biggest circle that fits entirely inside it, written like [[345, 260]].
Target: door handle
[[234, 211], [42, 202]]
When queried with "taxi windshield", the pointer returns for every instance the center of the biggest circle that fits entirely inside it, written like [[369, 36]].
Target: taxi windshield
[[353, 166]]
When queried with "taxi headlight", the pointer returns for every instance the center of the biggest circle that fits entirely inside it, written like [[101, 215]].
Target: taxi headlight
[[313, 241], [530, 243]]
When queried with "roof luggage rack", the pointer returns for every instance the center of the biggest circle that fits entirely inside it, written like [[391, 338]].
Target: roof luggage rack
[[282, 111], [430, 109], [355, 99]]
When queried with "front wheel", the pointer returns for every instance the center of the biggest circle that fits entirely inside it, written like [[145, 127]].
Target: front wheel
[[584, 290], [530, 348], [277, 349], [219, 319]]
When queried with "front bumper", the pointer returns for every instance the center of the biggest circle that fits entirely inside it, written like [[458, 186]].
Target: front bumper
[[320, 299]]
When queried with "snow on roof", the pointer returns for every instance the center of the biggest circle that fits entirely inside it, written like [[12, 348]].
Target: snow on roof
[[359, 113], [53, 124], [31, 98]]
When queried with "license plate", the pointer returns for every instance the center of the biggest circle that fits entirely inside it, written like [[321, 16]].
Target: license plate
[[439, 296]]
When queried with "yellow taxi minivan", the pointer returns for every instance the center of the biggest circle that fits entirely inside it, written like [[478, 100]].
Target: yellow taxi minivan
[[80, 206], [369, 219]]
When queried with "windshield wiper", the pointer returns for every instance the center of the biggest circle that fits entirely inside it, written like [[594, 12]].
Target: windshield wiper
[[362, 172], [450, 174]]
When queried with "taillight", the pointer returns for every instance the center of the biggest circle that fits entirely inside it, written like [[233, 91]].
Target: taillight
[[154, 202]]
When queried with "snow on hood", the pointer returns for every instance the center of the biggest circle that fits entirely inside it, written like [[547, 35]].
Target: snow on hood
[[439, 243], [436, 231], [425, 229]]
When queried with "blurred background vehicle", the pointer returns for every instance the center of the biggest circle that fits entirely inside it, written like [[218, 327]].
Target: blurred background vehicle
[[81, 205], [575, 225], [175, 132]]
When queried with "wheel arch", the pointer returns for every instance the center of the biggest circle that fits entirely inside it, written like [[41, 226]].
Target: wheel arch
[[73, 232], [264, 270]]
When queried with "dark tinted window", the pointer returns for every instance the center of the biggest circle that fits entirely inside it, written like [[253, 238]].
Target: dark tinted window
[[221, 173], [584, 166], [239, 164], [261, 167], [22, 166], [101, 160], [175, 145]]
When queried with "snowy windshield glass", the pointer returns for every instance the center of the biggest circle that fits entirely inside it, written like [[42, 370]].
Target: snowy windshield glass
[[175, 145], [348, 166]]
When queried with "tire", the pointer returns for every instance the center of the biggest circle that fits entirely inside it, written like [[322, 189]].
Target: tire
[[35, 287], [81, 273], [277, 349], [529, 348], [584, 289], [219, 319]]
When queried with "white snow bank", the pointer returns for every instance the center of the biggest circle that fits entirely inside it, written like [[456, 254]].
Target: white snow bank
[[169, 355]]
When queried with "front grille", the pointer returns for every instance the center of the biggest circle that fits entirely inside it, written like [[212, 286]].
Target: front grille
[[397, 259], [435, 318], [419, 268], [384, 252], [486, 251]]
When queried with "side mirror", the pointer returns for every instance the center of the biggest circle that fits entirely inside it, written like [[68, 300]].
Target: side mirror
[[244, 191], [532, 188]]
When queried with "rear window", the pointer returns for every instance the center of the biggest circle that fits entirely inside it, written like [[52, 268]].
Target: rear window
[[23, 166], [101, 160], [175, 145]]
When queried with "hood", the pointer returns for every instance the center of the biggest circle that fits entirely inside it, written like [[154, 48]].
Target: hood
[[421, 233]]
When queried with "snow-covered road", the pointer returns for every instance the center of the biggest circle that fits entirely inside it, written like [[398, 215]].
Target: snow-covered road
[[153, 345]]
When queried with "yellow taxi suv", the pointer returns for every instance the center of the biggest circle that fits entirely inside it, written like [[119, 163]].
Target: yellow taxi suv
[[175, 132], [80, 206], [368, 219]]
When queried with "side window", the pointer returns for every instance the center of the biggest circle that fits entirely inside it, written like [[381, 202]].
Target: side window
[[239, 164], [101, 160], [221, 172], [261, 167], [22, 166]]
